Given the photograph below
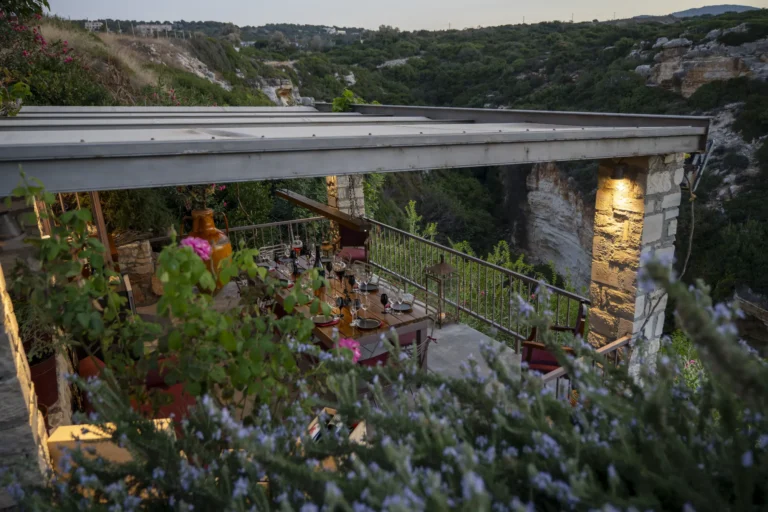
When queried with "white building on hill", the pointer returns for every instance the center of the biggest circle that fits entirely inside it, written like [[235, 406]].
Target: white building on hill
[[93, 26], [151, 30]]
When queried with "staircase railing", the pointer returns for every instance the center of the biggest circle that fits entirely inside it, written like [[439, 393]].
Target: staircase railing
[[482, 291]]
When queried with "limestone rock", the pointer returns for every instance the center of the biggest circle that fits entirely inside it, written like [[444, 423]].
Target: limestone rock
[[713, 34], [677, 43], [661, 42], [643, 70], [684, 68], [559, 225]]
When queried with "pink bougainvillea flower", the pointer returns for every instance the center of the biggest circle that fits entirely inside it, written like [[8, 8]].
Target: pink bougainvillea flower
[[222, 187], [351, 345], [25, 53], [65, 43], [200, 246], [224, 204], [68, 60]]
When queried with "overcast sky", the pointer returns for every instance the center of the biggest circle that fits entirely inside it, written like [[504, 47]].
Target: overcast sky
[[406, 14]]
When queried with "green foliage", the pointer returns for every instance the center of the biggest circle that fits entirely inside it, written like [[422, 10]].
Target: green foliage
[[242, 354], [212, 52], [183, 88], [142, 210], [414, 223], [755, 30], [11, 96], [65, 308], [24, 8], [43, 72], [344, 102]]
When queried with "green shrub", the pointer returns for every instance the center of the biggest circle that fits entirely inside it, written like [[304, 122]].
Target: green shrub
[[735, 161], [755, 31]]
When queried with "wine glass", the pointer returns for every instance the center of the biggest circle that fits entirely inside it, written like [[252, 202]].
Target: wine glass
[[339, 267], [353, 312], [362, 277], [398, 298], [364, 305]]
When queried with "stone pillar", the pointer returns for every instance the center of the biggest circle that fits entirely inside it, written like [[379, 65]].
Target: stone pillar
[[346, 194], [634, 215], [23, 438], [135, 259]]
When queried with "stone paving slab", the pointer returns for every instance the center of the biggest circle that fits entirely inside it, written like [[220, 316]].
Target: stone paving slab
[[455, 344]]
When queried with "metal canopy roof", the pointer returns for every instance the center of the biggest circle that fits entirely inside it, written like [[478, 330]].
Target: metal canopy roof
[[101, 148]]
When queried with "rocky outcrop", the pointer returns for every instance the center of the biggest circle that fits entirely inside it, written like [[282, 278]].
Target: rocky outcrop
[[280, 91], [559, 225], [684, 67]]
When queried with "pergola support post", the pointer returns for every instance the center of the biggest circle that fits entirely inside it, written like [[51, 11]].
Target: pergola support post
[[346, 194], [101, 226], [637, 206]]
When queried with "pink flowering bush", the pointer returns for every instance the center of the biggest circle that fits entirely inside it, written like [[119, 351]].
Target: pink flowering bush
[[201, 247], [54, 72], [351, 345]]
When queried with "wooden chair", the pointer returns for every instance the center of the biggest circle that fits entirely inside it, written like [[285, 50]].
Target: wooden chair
[[536, 355], [353, 244]]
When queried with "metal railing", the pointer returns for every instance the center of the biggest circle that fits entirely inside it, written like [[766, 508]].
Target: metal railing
[[309, 230], [481, 290], [614, 353]]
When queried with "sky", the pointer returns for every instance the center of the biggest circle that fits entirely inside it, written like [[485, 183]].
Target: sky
[[405, 14]]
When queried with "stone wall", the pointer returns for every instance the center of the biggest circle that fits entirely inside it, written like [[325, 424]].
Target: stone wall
[[23, 436], [634, 216], [346, 194], [135, 259]]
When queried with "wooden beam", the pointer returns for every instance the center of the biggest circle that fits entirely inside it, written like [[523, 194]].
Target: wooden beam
[[334, 214], [101, 226]]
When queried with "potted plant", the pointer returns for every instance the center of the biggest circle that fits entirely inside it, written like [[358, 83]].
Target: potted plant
[[38, 341]]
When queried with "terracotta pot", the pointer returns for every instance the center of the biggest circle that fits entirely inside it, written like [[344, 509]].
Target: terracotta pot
[[45, 381], [221, 249]]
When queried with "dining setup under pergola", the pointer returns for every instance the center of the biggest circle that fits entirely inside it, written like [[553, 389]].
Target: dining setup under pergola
[[90, 149]]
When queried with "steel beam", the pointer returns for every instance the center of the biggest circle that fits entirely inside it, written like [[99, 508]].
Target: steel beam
[[185, 163], [582, 119]]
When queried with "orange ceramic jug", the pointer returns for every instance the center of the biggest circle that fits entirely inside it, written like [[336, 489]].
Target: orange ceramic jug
[[204, 227]]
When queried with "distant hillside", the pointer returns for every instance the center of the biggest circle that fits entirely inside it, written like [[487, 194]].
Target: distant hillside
[[713, 10]]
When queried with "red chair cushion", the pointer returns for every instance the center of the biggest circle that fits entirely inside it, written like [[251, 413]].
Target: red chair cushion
[[354, 254], [540, 360], [380, 359]]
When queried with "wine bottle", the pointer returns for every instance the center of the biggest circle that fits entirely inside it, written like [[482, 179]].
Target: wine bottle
[[294, 263], [318, 263]]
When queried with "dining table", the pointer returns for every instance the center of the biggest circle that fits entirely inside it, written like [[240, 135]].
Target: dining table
[[409, 325]]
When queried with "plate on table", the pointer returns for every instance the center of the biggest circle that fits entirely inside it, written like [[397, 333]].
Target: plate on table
[[369, 287], [402, 307], [368, 323], [322, 319]]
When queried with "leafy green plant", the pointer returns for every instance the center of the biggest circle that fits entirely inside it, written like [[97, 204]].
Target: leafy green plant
[[344, 102], [11, 97], [24, 8]]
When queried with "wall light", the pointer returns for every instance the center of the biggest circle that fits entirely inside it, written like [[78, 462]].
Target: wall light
[[618, 172]]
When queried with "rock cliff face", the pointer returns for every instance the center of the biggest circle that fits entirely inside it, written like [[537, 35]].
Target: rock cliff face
[[683, 67], [559, 225]]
